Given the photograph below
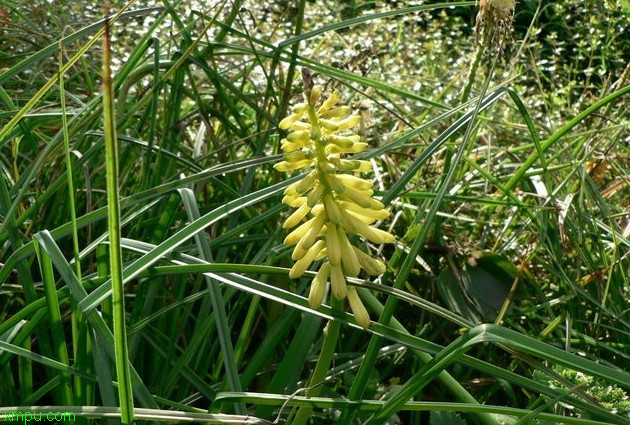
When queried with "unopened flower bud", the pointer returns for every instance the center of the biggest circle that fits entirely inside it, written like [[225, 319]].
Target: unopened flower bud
[[317, 293], [338, 282], [358, 309]]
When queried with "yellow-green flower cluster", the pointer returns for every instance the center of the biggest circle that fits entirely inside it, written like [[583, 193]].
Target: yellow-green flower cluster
[[332, 203]]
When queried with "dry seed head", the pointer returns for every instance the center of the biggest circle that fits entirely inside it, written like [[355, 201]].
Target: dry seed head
[[335, 203], [494, 24]]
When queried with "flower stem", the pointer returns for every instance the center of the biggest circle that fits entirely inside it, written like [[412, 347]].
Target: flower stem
[[123, 375], [323, 363]]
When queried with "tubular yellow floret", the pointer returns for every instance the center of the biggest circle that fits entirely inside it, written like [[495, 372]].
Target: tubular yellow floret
[[373, 234], [296, 217], [290, 166], [306, 183], [343, 141], [301, 265], [335, 184], [329, 125], [338, 282], [332, 209], [357, 197], [340, 203], [299, 232], [298, 136], [348, 123], [332, 243], [355, 182], [289, 120], [299, 125], [287, 146], [319, 286], [297, 156], [315, 194], [372, 266], [290, 190], [354, 148], [358, 309], [380, 214], [316, 93], [322, 254], [309, 237], [329, 103], [348, 256], [338, 112]]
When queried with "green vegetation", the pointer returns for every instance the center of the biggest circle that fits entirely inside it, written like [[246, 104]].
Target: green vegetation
[[143, 275]]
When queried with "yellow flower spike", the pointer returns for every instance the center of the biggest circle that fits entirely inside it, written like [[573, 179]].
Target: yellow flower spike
[[338, 283], [358, 309], [301, 265], [332, 209], [328, 103], [348, 256], [340, 203], [319, 287], [333, 245], [372, 266], [296, 217], [315, 195]]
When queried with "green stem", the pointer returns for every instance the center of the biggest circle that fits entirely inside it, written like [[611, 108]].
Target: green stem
[[323, 364], [123, 376]]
